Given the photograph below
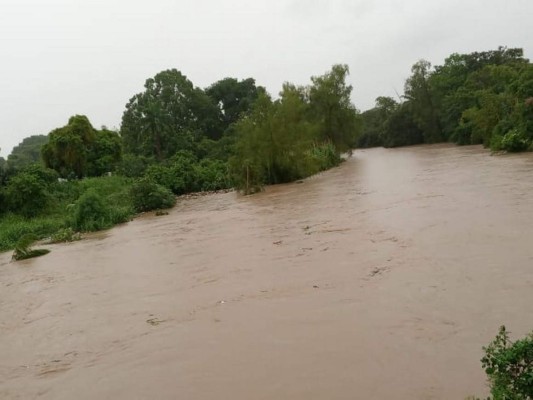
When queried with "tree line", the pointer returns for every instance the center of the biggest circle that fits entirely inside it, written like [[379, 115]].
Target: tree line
[[175, 138], [478, 98]]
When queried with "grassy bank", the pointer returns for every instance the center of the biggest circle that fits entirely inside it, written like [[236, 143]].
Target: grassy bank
[[85, 205]]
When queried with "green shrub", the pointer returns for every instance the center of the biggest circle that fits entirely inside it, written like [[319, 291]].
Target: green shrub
[[91, 213], [184, 174], [147, 195], [45, 175], [165, 176], [133, 166], [26, 194], [509, 367], [514, 141], [212, 175], [325, 156], [462, 134]]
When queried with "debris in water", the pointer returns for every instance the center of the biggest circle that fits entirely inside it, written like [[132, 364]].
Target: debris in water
[[154, 321]]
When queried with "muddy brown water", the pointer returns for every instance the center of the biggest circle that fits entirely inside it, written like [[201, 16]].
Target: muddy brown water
[[379, 279]]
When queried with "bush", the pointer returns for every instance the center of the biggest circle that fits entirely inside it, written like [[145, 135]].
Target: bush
[[26, 194], [178, 174], [91, 213], [23, 250], [147, 195], [184, 174], [324, 156], [462, 134], [133, 166], [514, 141], [45, 175], [212, 175], [509, 367]]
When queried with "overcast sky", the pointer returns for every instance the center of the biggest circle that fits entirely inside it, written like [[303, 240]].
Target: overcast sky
[[64, 57]]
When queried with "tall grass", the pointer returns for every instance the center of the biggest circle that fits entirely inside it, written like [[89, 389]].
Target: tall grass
[[13, 227]]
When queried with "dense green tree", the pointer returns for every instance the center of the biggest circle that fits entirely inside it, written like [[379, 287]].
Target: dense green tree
[[252, 153], [176, 173], [482, 97], [184, 173], [133, 166], [401, 129], [3, 170], [332, 108], [375, 122], [68, 147], [147, 195], [234, 99], [168, 116], [105, 153], [418, 91], [78, 150], [454, 85], [27, 152], [279, 141]]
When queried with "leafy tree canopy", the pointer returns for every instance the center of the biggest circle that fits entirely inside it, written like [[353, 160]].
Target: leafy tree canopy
[[168, 116], [79, 150], [67, 148], [27, 152], [234, 98], [331, 105], [481, 97]]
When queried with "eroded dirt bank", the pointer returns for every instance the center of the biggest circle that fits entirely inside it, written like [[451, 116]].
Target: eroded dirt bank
[[379, 279]]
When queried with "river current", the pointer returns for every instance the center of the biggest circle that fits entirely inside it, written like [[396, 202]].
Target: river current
[[381, 278]]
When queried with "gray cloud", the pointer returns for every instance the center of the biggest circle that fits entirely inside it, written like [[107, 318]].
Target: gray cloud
[[65, 57]]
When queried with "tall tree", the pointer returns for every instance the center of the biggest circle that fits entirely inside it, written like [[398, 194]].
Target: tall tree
[[375, 121], [331, 105], [105, 152], [79, 150], [233, 97], [419, 93], [67, 148], [167, 116]]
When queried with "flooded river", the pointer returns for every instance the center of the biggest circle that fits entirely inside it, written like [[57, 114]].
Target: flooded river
[[379, 279]]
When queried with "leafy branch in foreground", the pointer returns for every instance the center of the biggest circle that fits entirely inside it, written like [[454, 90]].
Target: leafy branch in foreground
[[509, 367]]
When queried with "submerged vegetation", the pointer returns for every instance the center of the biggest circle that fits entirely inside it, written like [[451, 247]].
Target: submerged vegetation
[[175, 139], [23, 250]]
